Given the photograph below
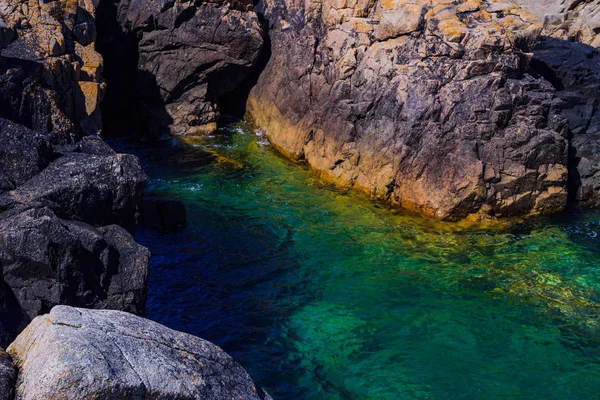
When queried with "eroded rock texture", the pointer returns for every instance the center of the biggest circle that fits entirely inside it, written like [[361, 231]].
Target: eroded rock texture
[[573, 20], [190, 54], [48, 261], [424, 104], [575, 70], [567, 56], [51, 80], [62, 189], [90, 354]]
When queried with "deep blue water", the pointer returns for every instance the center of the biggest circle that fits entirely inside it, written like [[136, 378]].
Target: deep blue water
[[323, 294]]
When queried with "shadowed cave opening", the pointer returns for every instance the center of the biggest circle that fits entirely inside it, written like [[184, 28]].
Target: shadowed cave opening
[[121, 108]]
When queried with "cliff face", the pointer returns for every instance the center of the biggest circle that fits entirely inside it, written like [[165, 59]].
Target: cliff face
[[53, 77], [568, 56], [424, 104], [189, 55], [66, 198]]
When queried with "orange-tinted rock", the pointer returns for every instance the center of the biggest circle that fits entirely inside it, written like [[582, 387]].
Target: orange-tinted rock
[[423, 104]]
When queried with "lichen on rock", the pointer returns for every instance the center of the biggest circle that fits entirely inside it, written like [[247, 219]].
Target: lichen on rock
[[435, 114]]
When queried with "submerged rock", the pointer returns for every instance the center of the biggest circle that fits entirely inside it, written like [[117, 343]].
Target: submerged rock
[[422, 104], [79, 354], [164, 215]]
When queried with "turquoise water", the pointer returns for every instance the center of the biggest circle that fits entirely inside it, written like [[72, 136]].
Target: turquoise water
[[322, 294]]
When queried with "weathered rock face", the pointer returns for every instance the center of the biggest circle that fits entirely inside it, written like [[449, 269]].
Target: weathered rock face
[[577, 20], [574, 68], [99, 190], [568, 57], [80, 354], [52, 75], [23, 154], [48, 261], [8, 377], [422, 104], [190, 55], [61, 187]]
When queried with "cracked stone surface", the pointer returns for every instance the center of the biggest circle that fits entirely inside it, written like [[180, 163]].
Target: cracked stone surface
[[81, 354], [48, 261], [52, 79], [424, 104]]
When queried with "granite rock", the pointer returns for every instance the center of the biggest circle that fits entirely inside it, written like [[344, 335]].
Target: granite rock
[[425, 105], [96, 189], [80, 354]]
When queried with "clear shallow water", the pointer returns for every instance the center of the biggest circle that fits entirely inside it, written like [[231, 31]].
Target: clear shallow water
[[322, 294]]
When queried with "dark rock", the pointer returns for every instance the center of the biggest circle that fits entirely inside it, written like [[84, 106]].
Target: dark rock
[[98, 190], [8, 377], [163, 215], [574, 68], [23, 154], [7, 35], [88, 354], [190, 55], [48, 261], [424, 106]]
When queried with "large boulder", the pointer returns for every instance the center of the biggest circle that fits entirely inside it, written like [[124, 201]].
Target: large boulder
[[8, 377], [48, 261], [96, 189], [190, 54], [89, 354], [423, 104]]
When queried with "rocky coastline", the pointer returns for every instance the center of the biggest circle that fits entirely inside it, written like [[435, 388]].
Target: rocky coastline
[[69, 206], [454, 109], [436, 107]]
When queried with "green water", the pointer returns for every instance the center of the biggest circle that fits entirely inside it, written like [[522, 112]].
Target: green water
[[322, 294]]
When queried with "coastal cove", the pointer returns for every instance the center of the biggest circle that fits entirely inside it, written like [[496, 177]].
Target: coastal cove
[[323, 294]]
